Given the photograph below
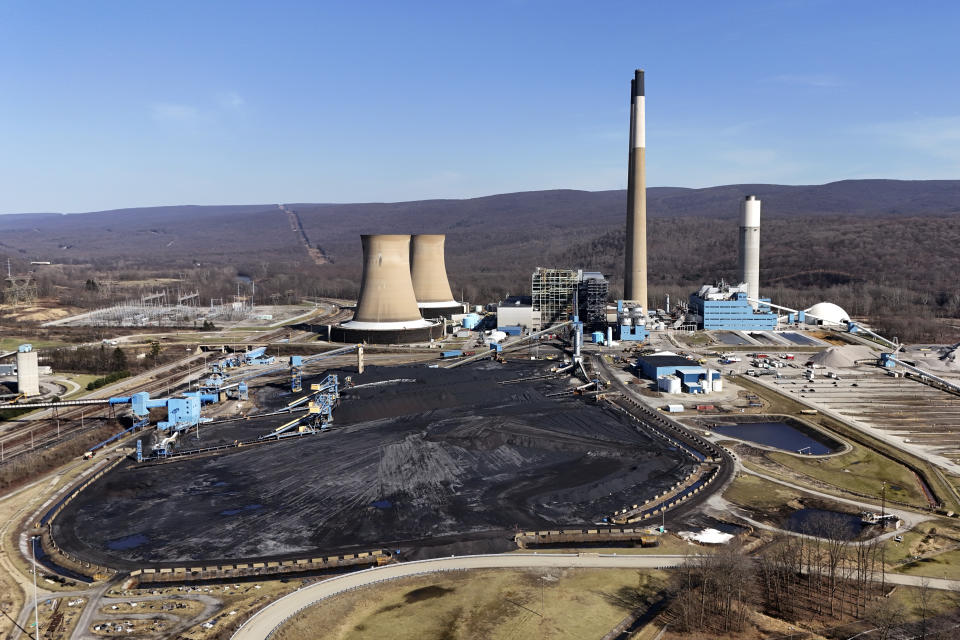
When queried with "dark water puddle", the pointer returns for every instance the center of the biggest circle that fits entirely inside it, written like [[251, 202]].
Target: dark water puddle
[[129, 542], [825, 524], [381, 504], [46, 561], [781, 436], [249, 507]]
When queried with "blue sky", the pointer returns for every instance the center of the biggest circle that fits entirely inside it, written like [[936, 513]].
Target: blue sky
[[122, 104]]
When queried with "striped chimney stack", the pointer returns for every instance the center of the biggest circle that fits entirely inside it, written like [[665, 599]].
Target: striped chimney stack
[[635, 272]]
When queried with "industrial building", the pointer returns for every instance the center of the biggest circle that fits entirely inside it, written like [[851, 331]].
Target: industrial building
[[28, 371], [725, 307], [592, 294], [557, 295], [517, 311], [676, 374], [387, 309], [631, 321], [553, 292]]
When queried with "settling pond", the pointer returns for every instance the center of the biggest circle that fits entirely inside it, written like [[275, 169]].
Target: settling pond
[[825, 524], [779, 432]]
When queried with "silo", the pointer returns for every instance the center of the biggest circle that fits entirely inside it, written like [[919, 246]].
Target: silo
[[429, 273], [28, 371]]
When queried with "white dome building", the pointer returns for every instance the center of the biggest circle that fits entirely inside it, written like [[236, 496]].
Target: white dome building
[[827, 312]]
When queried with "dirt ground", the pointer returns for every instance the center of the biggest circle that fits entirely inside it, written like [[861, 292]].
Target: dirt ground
[[451, 463]]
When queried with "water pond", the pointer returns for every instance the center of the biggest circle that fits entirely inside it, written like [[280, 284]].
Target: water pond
[[825, 524], [791, 436]]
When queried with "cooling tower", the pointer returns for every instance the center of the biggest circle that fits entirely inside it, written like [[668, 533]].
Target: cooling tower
[[429, 273], [387, 309], [750, 246], [635, 274]]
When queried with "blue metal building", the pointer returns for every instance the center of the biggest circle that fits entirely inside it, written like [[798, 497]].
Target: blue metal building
[[726, 308], [631, 321]]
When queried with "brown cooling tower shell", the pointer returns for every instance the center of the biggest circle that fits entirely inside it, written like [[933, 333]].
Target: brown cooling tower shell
[[429, 272], [386, 299]]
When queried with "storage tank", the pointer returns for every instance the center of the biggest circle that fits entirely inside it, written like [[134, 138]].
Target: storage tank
[[717, 380], [669, 384]]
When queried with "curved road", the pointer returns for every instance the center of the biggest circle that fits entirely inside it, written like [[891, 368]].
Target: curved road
[[267, 620]]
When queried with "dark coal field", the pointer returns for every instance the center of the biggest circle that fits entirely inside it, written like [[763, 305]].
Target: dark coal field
[[451, 463]]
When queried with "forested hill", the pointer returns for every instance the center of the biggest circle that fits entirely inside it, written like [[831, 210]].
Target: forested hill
[[899, 235]]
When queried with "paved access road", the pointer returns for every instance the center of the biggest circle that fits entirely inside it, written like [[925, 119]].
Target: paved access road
[[265, 621]]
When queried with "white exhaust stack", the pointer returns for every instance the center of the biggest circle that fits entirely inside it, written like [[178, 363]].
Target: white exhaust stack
[[750, 246], [635, 274]]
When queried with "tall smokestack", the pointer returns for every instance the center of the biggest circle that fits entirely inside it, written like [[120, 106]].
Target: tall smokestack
[[750, 246], [635, 280], [429, 272], [386, 299], [628, 251]]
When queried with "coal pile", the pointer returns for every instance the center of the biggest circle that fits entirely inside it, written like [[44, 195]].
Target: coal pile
[[450, 463]]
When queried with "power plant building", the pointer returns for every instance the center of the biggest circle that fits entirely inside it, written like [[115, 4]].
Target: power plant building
[[726, 308], [517, 311], [28, 371], [552, 292], [592, 295], [631, 321]]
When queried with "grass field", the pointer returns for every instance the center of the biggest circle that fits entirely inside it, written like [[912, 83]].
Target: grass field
[[82, 379], [860, 470], [757, 493], [483, 604], [943, 565], [11, 344], [882, 455]]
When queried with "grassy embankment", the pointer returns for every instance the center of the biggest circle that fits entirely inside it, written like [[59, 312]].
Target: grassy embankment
[[873, 461]]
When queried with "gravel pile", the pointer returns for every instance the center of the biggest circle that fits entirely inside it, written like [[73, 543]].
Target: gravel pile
[[843, 357]]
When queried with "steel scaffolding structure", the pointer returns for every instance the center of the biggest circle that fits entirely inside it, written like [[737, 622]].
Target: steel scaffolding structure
[[592, 301], [553, 292]]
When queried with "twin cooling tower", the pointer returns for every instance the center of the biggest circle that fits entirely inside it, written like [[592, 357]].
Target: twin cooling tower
[[404, 281]]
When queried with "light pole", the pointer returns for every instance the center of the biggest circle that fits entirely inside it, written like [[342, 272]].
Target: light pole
[[36, 600]]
